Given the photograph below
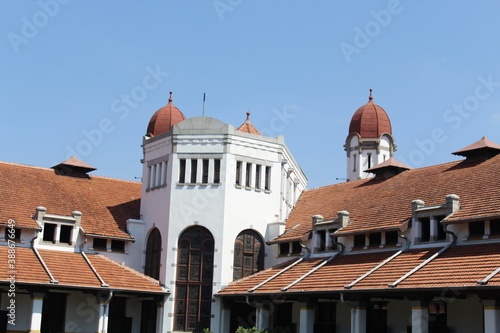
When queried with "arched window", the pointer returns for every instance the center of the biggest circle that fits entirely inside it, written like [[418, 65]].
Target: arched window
[[153, 254], [248, 254], [193, 292]]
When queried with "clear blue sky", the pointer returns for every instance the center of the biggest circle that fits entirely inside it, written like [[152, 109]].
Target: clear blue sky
[[301, 67]]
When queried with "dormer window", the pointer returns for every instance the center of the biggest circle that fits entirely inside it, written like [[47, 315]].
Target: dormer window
[[13, 234], [359, 241], [391, 238], [57, 229], [376, 239], [117, 245], [100, 244], [431, 230], [49, 231], [495, 227], [476, 229]]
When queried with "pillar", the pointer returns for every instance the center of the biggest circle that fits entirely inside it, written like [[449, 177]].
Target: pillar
[[225, 319], [262, 318], [491, 310], [420, 317], [36, 312], [160, 312], [103, 316], [306, 321], [358, 317]]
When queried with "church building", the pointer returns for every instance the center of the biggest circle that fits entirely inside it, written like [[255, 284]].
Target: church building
[[222, 232]]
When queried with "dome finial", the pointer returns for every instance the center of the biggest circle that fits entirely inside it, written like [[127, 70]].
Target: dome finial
[[371, 97], [170, 98], [248, 116]]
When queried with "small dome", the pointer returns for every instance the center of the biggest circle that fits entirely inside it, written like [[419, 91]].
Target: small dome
[[248, 127], [163, 119], [370, 120]]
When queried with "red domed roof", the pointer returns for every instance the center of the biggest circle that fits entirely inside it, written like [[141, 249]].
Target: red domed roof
[[163, 119], [370, 120]]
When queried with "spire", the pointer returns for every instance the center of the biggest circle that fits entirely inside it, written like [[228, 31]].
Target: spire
[[170, 98], [370, 98]]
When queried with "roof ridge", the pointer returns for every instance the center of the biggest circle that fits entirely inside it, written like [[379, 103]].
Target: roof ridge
[[52, 170]]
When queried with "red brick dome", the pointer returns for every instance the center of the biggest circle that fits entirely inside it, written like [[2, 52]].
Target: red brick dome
[[370, 120], [163, 119]]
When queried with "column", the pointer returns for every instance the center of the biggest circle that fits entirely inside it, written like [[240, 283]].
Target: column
[[306, 321], [211, 171], [491, 310], [36, 312], [434, 228], [160, 312], [420, 317], [358, 318], [103, 316], [225, 319], [262, 318]]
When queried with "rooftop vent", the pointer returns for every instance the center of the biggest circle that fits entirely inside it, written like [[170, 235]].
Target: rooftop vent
[[73, 167], [483, 148]]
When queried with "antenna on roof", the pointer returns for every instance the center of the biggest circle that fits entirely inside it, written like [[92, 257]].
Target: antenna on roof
[[203, 112]]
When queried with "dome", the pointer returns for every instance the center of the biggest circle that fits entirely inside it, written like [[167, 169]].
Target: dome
[[370, 120], [163, 119]]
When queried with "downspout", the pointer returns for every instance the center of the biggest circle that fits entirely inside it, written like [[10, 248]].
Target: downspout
[[42, 262], [342, 248], [305, 256], [257, 311], [428, 260], [353, 312]]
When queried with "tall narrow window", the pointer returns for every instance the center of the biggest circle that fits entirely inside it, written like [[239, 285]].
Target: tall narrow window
[[65, 235], [193, 295], [267, 186], [247, 174], [149, 177], [369, 160], [194, 170], [238, 173], [425, 225], [441, 234], [258, 169], [321, 234], [248, 254], [204, 178], [354, 162], [153, 254], [217, 171], [49, 230], [182, 170]]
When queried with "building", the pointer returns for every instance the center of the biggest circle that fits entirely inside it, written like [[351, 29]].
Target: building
[[222, 232], [106, 255], [406, 250]]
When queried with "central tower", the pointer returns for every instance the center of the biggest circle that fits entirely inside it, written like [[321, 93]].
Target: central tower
[[369, 141]]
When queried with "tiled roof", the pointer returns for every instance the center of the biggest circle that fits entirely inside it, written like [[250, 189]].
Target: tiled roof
[[461, 266], [71, 270], [248, 127], [106, 203], [379, 203]]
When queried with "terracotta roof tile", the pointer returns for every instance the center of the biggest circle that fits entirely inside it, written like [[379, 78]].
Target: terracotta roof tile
[[72, 270], [460, 266], [106, 203], [379, 203], [248, 127]]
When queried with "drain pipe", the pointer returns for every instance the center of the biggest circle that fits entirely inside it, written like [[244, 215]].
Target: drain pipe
[[257, 311], [428, 260], [353, 312]]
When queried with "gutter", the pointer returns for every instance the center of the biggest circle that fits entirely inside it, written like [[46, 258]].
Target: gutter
[[428, 260]]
